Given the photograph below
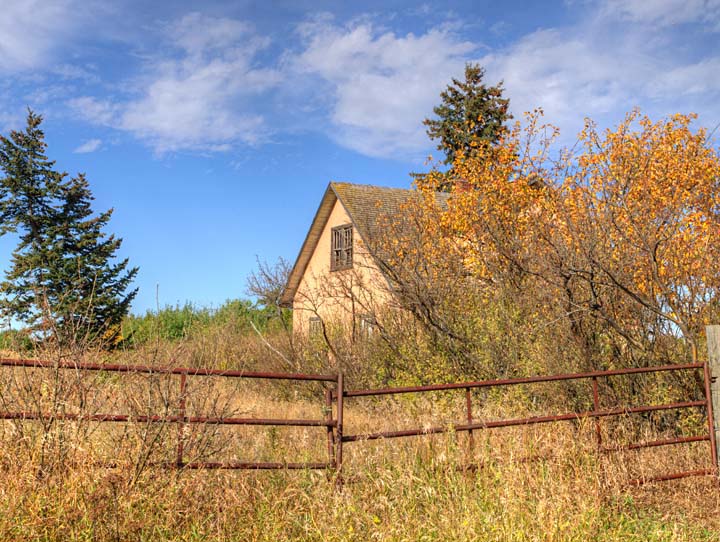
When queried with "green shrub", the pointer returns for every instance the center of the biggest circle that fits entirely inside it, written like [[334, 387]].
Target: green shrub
[[173, 323]]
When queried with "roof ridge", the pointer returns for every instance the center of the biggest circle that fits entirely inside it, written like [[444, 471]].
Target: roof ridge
[[376, 186]]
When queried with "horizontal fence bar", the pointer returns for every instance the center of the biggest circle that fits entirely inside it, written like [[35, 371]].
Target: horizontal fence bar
[[164, 419], [254, 466], [673, 476], [230, 465], [520, 421], [639, 445], [516, 381], [654, 443], [190, 371]]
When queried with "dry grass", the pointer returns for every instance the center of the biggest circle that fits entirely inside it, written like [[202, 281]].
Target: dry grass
[[406, 489]]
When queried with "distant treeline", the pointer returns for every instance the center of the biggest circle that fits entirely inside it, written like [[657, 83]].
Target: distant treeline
[[181, 321], [175, 323]]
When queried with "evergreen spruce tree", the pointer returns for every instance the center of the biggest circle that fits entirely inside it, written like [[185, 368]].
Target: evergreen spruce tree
[[64, 280], [27, 198], [89, 285], [470, 114]]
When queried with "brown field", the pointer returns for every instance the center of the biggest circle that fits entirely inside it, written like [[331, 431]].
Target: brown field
[[540, 483]]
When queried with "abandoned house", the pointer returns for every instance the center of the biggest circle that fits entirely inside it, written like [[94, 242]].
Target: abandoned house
[[336, 277]]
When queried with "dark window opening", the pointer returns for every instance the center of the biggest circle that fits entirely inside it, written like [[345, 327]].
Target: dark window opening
[[367, 325], [315, 327], [342, 248]]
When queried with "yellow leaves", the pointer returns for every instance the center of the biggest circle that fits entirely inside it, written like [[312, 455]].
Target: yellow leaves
[[636, 204]]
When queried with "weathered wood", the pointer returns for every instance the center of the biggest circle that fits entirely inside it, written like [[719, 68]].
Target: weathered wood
[[713, 346]]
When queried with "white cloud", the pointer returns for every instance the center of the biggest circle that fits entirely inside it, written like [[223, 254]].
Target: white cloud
[[382, 85], [207, 90], [32, 30], [96, 111], [91, 145], [700, 78], [664, 12], [568, 76], [602, 71], [198, 33], [197, 97], [40, 44]]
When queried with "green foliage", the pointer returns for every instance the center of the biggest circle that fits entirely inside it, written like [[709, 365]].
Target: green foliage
[[16, 341], [169, 323], [470, 114], [183, 321], [26, 191], [64, 281]]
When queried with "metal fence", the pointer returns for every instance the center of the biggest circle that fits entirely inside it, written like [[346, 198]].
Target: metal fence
[[181, 418], [469, 424], [334, 411]]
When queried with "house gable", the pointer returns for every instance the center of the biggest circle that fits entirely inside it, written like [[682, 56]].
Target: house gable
[[367, 208]]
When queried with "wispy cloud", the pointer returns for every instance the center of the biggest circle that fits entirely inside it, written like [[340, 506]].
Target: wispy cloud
[[34, 33], [664, 12], [602, 67], [97, 111], [41, 42], [568, 75], [367, 87], [91, 145], [199, 95], [381, 85]]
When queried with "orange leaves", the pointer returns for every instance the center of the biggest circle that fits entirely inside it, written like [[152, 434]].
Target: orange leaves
[[631, 220]]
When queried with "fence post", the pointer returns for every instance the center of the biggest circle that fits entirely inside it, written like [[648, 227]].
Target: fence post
[[330, 435], [712, 388], [181, 422], [471, 439], [339, 427], [596, 407]]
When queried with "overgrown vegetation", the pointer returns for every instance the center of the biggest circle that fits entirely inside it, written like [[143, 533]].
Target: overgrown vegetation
[[184, 321], [409, 489], [545, 261], [404, 489]]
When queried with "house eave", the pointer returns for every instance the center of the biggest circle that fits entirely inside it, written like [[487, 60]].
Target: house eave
[[308, 247]]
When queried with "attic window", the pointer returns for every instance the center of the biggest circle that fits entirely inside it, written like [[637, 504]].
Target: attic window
[[342, 248]]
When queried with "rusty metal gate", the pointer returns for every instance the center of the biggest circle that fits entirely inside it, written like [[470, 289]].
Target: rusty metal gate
[[334, 411], [469, 424], [181, 419]]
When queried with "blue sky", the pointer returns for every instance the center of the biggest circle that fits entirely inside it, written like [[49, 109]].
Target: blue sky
[[213, 127]]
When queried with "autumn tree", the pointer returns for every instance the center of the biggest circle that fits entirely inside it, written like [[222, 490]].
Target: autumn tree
[[552, 260], [64, 280], [618, 240]]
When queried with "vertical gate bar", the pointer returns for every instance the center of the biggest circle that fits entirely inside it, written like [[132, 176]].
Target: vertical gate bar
[[181, 423], [710, 417], [596, 407], [711, 371], [330, 435], [339, 426], [471, 438]]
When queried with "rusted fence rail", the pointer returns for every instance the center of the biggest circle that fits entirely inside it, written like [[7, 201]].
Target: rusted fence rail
[[334, 411], [469, 425], [182, 419]]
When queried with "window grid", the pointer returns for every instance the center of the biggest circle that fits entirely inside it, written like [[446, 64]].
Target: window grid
[[314, 326], [342, 248]]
